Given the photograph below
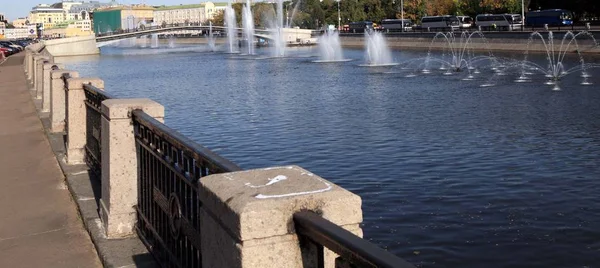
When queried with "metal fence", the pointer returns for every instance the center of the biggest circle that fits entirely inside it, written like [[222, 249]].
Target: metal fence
[[93, 104], [169, 167]]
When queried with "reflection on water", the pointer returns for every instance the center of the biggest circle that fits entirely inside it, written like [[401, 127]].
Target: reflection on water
[[451, 174]]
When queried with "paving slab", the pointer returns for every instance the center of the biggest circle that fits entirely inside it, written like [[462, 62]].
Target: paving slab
[[39, 222]]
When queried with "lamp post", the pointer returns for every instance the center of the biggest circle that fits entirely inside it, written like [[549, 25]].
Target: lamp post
[[402, 13], [522, 14], [339, 17], [99, 26]]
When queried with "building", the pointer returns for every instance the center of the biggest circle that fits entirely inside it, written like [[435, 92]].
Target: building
[[121, 17], [81, 10], [20, 33], [182, 14], [20, 23], [47, 15], [70, 29]]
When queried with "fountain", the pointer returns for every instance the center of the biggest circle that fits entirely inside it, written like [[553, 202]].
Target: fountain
[[457, 56], [459, 50], [330, 48], [248, 24], [143, 41], [211, 38], [172, 41], [377, 53], [154, 41], [278, 41], [555, 68], [231, 31], [289, 23]]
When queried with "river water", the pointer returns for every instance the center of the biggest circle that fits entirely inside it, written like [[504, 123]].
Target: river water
[[451, 174]]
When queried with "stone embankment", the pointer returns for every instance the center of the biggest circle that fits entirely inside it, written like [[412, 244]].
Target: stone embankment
[[488, 41]]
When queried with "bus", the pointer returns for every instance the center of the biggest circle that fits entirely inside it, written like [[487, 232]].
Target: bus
[[360, 26], [552, 17], [507, 22], [465, 21], [446, 22], [395, 25]]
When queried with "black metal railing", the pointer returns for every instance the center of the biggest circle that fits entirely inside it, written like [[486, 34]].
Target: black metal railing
[[169, 168], [66, 77], [93, 103], [353, 250]]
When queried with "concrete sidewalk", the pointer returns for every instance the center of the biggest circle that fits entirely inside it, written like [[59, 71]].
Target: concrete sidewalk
[[39, 223]]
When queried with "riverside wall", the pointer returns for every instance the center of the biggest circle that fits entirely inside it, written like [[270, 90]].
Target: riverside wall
[[492, 41]]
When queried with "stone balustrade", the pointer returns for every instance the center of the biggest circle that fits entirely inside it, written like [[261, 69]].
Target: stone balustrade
[[246, 217]]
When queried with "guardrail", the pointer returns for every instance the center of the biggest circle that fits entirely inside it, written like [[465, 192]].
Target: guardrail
[[168, 205], [354, 251], [93, 103]]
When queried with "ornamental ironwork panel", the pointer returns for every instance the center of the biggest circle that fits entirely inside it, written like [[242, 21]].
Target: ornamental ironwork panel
[[169, 168], [93, 103]]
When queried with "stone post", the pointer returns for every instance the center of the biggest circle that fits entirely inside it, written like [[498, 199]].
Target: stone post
[[26, 61], [246, 217], [30, 65], [58, 100], [76, 116], [47, 83], [119, 163], [38, 75]]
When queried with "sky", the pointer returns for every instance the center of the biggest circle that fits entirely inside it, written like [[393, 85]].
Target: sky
[[20, 8]]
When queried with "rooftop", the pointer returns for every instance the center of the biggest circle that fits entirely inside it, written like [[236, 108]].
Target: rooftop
[[188, 6], [178, 7]]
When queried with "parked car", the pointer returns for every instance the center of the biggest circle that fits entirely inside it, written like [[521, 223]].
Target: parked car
[[12, 45], [8, 50], [4, 51]]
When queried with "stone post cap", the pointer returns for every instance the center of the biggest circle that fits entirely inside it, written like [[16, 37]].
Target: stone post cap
[[76, 83], [48, 66], [122, 108], [260, 203], [40, 57], [56, 74]]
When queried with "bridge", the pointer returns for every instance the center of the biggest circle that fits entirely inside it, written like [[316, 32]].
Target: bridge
[[103, 39]]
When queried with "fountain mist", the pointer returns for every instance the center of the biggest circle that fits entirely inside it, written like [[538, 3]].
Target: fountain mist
[[330, 48], [231, 31], [377, 53], [211, 38], [279, 43], [248, 24]]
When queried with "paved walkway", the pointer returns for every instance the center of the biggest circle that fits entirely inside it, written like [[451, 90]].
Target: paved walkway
[[39, 224]]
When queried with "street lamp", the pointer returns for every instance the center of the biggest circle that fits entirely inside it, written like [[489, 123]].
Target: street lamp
[[402, 13], [522, 14], [339, 17]]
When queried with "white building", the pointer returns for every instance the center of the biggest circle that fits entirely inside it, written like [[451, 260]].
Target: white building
[[18, 33], [181, 14]]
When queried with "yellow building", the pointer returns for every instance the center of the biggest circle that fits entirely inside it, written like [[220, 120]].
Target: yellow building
[[20, 23], [47, 15], [70, 29]]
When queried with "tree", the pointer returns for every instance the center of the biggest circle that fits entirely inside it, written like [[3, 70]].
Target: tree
[[219, 18], [441, 7], [264, 15]]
